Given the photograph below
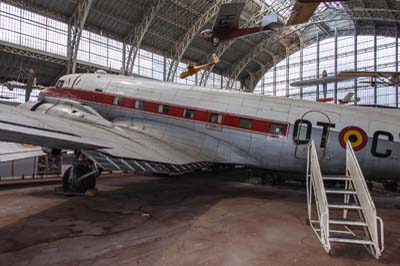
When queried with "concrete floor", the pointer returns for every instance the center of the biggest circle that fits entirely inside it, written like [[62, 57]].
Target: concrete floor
[[194, 220]]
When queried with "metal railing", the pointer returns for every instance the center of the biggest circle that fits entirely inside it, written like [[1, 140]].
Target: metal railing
[[354, 172], [315, 186]]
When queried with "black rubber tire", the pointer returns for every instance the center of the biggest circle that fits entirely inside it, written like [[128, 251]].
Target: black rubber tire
[[85, 184], [65, 180]]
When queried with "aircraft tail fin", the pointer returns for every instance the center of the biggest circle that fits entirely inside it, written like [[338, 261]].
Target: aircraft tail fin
[[348, 97], [271, 21]]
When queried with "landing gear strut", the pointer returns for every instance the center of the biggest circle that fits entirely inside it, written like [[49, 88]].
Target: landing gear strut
[[81, 176]]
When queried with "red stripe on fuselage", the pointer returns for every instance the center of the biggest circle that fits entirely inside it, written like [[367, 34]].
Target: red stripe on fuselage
[[174, 111]]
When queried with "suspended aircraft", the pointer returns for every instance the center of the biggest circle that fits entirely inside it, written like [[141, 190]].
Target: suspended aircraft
[[28, 86], [303, 10], [194, 69], [226, 25], [387, 78], [115, 122]]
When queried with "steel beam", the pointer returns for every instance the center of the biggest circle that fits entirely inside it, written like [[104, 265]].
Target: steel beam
[[355, 65], [184, 43], [317, 67], [397, 66], [335, 85], [375, 68], [76, 26], [51, 58], [287, 74], [239, 67], [136, 35], [301, 65]]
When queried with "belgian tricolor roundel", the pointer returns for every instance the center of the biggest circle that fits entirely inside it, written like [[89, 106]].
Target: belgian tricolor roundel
[[356, 135]]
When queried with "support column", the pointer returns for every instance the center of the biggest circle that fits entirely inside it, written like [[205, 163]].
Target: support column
[[165, 69], [375, 63], [301, 69], [274, 81], [287, 73], [397, 66], [355, 66], [77, 23], [136, 35], [335, 85], [317, 63], [263, 84], [123, 57]]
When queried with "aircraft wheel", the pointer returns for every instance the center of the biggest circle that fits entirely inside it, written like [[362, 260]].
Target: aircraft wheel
[[215, 41], [74, 184]]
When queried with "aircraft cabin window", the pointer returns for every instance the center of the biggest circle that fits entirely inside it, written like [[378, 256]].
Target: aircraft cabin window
[[118, 100], [215, 118], [163, 109], [59, 83], [277, 129], [245, 123], [139, 105], [188, 113]]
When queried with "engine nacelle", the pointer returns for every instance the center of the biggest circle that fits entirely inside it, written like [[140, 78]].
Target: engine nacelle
[[67, 109]]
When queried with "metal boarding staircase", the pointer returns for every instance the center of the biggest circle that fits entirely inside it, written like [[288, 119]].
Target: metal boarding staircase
[[346, 214]]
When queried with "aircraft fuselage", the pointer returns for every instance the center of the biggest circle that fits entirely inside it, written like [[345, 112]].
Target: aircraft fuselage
[[267, 132]]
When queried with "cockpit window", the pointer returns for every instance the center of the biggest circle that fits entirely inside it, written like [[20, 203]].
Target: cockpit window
[[59, 83]]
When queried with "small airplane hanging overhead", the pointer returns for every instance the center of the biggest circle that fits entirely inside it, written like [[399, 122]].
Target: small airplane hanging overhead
[[226, 26], [31, 83], [303, 10], [191, 70], [387, 78]]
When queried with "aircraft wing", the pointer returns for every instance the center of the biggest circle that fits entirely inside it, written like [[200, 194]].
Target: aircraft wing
[[13, 151], [23, 126], [301, 12], [314, 82], [228, 16], [372, 74]]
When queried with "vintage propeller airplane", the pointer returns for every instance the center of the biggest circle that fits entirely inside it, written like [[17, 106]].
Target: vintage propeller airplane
[[303, 10], [137, 122], [226, 26], [387, 78], [194, 69]]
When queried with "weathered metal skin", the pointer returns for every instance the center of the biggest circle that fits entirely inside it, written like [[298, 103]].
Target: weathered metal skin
[[378, 153]]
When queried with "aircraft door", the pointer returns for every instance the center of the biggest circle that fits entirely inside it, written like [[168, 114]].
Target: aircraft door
[[312, 125]]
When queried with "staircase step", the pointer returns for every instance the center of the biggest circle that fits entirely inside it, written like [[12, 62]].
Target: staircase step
[[340, 191], [336, 178], [348, 222], [351, 240], [345, 206]]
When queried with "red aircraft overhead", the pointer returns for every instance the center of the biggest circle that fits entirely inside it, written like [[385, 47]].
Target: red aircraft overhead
[[226, 26]]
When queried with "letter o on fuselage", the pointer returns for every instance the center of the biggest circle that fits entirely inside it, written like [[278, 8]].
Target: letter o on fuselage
[[296, 133]]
